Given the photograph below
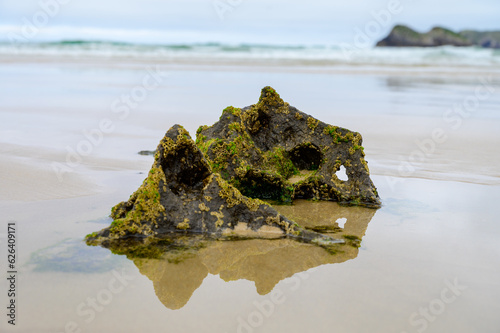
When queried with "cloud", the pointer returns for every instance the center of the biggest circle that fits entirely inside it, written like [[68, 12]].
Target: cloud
[[287, 21]]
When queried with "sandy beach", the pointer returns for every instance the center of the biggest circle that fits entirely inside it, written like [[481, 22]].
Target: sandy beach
[[69, 146]]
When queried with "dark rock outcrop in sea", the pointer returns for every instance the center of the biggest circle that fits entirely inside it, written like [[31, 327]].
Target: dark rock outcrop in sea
[[489, 39], [181, 194], [404, 36], [271, 150]]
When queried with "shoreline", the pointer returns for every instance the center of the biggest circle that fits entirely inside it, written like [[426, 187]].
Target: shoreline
[[260, 65]]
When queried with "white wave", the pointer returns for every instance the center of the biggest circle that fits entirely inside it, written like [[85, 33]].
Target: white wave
[[446, 56]]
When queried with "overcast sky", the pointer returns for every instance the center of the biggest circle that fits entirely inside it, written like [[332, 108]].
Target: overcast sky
[[237, 21]]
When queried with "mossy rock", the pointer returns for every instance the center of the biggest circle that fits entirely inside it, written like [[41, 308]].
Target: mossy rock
[[271, 150], [181, 194]]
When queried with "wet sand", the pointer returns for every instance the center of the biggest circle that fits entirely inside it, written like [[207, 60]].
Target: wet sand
[[437, 226]]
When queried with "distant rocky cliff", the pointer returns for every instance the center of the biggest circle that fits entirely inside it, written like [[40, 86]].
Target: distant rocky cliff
[[489, 39], [404, 36]]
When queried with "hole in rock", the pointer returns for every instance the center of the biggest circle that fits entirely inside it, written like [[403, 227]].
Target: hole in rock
[[341, 174], [262, 121], [254, 186], [186, 169], [306, 157]]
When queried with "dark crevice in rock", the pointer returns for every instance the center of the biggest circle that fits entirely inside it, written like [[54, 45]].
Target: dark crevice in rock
[[306, 156]]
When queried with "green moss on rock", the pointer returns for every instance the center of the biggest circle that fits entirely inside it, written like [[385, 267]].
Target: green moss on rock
[[267, 144], [182, 194]]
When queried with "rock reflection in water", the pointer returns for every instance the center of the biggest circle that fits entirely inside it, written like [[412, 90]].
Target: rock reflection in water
[[178, 265]]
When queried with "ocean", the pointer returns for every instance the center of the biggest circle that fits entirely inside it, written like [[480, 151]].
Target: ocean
[[319, 55]]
